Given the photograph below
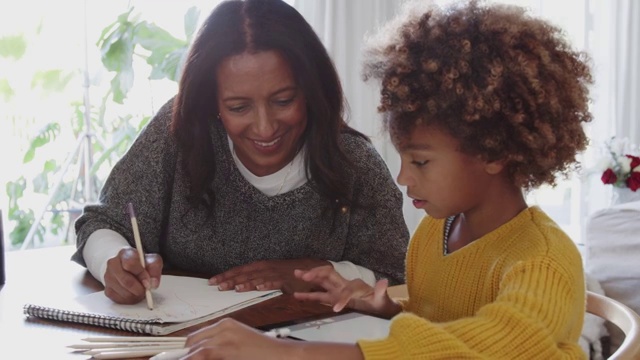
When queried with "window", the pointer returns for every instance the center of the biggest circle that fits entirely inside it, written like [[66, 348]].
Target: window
[[50, 68]]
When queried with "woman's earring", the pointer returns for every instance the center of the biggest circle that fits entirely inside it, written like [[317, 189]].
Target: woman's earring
[[219, 118]]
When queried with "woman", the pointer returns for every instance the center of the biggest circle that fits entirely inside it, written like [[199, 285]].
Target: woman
[[249, 172]]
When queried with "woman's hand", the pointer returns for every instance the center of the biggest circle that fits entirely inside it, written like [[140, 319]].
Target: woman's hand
[[229, 339], [126, 280], [341, 293], [266, 275]]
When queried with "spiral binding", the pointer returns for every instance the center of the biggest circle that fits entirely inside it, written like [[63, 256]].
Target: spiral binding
[[112, 322]]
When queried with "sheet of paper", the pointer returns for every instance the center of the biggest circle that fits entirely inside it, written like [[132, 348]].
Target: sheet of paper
[[177, 299], [344, 328]]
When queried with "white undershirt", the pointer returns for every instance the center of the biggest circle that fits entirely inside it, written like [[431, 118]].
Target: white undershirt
[[104, 244], [290, 177]]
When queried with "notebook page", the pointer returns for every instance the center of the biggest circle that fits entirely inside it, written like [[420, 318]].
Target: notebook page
[[344, 328], [178, 299]]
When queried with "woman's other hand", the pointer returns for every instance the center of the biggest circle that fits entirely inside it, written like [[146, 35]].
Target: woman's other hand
[[126, 280], [267, 275], [341, 293]]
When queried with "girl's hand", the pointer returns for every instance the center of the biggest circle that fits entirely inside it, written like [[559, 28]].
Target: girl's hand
[[341, 293], [230, 339], [126, 280]]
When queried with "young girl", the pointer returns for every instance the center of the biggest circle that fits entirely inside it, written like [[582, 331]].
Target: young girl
[[483, 102]]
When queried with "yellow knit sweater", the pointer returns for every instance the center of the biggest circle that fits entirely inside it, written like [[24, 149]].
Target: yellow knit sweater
[[515, 293]]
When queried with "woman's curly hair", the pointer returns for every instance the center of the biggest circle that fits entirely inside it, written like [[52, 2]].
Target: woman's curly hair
[[508, 86]]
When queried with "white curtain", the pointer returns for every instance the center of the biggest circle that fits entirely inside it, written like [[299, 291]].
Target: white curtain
[[613, 41], [626, 69], [608, 30], [342, 26]]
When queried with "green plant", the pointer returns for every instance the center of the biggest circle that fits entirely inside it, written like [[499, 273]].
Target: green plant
[[126, 40], [120, 40]]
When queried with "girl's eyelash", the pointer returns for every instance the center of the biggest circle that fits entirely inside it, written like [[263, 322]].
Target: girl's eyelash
[[420, 163]]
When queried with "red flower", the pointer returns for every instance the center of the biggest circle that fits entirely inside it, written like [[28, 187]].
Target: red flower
[[609, 177], [633, 182], [635, 161]]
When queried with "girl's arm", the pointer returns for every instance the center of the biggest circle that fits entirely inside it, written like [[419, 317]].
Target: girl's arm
[[230, 339]]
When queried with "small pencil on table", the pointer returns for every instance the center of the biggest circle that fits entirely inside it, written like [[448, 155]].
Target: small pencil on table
[[159, 348]]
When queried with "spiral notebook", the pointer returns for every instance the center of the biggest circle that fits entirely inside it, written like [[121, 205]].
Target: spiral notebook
[[180, 302]]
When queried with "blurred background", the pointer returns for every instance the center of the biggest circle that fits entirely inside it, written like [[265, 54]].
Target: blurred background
[[79, 79]]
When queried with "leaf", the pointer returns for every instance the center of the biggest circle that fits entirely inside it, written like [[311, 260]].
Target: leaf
[[109, 152], [56, 223], [50, 166], [21, 230], [121, 84], [62, 194], [170, 67], [119, 54], [117, 44], [6, 90], [122, 18], [124, 131], [154, 38], [143, 123], [48, 133], [15, 190], [51, 80], [40, 26], [103, 35], [13, 46], [191, 22], [167, 52], [41, 183]]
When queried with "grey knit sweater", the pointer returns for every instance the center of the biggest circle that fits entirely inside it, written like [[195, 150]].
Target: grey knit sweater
[[246, 225]]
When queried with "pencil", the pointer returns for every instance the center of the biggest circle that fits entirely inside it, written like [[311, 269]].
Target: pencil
[[135, 339], [127, 354], [163, 348], [174, 354], [157, 347], [111, 345], [136, 237]]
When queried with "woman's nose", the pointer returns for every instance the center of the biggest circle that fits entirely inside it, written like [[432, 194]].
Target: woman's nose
[[265, 123]]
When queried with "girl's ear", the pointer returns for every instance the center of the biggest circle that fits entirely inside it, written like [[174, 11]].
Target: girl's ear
[[494, 167]]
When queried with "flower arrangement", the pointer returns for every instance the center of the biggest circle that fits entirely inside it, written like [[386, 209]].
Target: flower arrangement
[[619, 167]]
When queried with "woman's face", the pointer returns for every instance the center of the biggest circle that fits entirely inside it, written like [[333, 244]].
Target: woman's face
[[262, 108]]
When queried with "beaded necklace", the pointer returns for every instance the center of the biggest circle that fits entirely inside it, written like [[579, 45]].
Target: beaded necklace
[[447, 228]]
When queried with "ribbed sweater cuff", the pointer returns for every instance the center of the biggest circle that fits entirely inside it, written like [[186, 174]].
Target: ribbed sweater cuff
[[380, 349]]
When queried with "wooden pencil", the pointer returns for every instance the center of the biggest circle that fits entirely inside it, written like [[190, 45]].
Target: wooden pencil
[[136, 237]]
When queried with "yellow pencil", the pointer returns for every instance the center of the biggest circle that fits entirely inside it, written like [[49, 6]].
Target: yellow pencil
[[136, 236]]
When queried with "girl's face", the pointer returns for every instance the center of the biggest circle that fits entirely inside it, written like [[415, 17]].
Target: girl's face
[[439, 178], [262, 109]]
